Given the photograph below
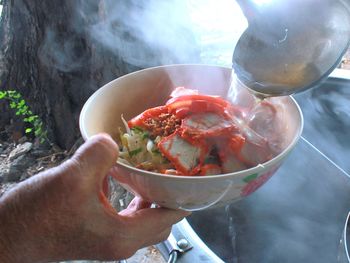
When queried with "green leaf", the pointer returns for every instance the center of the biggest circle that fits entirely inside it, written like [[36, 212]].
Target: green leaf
[[156, 151], [16, 95], [21, 103], [17, 102], [137, 129], [37, 132], [135, 152], [31, 118], [145, 135], [40, 123]]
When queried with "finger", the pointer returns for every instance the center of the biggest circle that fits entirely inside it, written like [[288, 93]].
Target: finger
[[156, 219], [162, 236], [119, 176], [105, 186], [96, 156], [158, 238], [136, 204]]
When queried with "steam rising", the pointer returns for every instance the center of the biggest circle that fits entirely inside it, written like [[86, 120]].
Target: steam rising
[[62, 55], [154, 24], [177, 30], [150, 33]]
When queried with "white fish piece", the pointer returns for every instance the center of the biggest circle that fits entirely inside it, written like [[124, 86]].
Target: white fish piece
[[206, 123], [180, 152], [254, 151], [228, 157]]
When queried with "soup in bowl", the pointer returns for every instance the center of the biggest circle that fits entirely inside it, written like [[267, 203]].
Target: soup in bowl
[[116, 108]]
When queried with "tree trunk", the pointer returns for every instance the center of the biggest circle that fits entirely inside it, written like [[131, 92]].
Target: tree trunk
[[50, 55]]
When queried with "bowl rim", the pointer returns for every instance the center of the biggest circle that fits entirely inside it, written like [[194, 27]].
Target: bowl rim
[[253, 170], [345, 236]]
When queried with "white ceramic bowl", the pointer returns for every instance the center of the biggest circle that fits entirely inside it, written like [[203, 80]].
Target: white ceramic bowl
[[133, 93]]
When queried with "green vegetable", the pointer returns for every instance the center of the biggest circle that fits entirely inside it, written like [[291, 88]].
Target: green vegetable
[[137, 129], [145, 135], [156, 151], [135, 152]]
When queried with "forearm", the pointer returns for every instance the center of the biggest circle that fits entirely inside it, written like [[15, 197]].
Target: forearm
[[14, 243], [26, 222], [42, 221]]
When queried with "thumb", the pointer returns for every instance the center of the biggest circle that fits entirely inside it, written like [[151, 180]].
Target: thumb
[[96, 156]]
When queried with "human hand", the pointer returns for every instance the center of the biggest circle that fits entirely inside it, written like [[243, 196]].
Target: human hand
[[63, 214]]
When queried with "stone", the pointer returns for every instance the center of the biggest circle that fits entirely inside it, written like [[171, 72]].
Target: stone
[[23, 140], [20, 150], [41, 145], [4, 170], [13, 171], [8, 147], [38, 153], [147, 255]]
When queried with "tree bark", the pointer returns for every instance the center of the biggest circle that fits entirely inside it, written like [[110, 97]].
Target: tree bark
[[49, 55]]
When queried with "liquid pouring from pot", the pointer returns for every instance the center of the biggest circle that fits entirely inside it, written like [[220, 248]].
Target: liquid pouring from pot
[[290, 45]]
